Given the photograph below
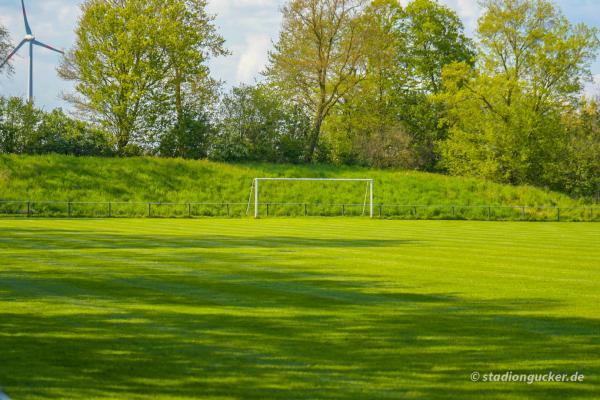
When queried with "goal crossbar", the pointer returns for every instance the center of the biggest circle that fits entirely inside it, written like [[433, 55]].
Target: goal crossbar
[[368, 180]]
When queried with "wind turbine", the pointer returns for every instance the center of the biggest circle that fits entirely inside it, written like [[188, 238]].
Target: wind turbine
[[29, 38]]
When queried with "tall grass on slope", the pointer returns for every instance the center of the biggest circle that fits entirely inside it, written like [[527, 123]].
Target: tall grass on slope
[[67, 178]]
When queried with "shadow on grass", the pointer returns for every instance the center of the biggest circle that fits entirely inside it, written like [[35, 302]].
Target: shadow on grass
[[235, 328], [74, 239], [261, 339]]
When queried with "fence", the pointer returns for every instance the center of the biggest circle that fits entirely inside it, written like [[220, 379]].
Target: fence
[[225, 209]]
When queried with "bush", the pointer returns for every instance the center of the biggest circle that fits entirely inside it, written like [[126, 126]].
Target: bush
[[188, 139], [255, 125], [25, 129]]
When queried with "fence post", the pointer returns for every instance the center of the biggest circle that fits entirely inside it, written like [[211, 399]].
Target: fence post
[[29, 209], [305, 209], [343, 210], [268, 209], [109, 209], [591, 214], [558, 214], [189, 210], [149, 209], [380, 209], [415, 211], [69, 209], [453, 212], [523, 213], [489, 213]]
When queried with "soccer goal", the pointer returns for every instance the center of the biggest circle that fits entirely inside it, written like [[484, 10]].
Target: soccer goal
[[257, 181]]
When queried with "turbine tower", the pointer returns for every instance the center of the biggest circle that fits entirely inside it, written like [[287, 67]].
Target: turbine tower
[[29, 38]]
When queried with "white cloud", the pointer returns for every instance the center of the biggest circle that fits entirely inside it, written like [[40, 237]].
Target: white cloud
[[253, 58], [592, 89], [468, 10], [248, 27]]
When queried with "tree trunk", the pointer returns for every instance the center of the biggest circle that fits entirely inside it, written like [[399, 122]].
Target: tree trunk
[[178, 97], [314, 139], [123, 135], [122, 143]]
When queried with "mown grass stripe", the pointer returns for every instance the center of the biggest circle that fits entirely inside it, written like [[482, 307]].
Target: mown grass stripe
[[295, 308]]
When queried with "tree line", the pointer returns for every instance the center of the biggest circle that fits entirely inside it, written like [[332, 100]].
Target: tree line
[[358, 82]]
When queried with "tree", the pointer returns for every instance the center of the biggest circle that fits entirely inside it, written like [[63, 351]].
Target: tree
[[133, 60], [578, 169], [433, 37], [192, 42], [530, 43], [390, 119], [25, 129], [189, 138], [189, 94], [505, 115], [57, 133], [256, 125], [19, 121], [116, 64], [363, 128], [318, 58], [5, 48]]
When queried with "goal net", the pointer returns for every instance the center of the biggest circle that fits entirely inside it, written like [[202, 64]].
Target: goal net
[[256, 187]]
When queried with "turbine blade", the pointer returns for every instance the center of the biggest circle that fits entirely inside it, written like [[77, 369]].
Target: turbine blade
[[12, 53], [37, 42], [27, 28]]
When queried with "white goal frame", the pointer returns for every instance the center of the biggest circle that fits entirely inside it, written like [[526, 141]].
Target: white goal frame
[[257, 180]]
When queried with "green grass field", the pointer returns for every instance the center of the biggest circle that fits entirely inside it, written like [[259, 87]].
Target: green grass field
[[296, 308]]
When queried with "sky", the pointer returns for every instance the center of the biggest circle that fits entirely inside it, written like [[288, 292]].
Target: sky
[[248, 26]]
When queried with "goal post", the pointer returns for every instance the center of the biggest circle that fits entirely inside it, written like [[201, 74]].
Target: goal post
[[258, 180]]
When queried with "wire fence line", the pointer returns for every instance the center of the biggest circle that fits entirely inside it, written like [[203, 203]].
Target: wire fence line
[[124, 209]]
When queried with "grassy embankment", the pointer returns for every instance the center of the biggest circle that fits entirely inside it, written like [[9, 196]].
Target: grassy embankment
[[63, 178]]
